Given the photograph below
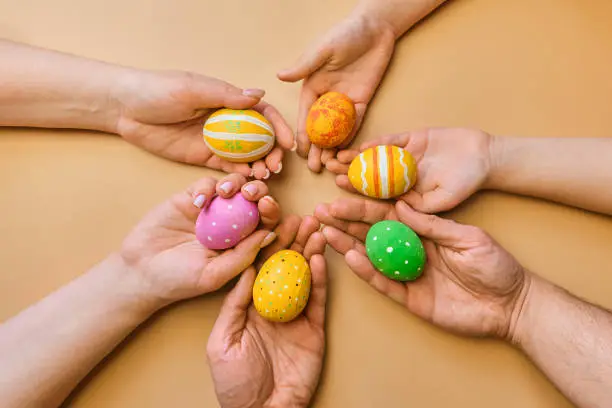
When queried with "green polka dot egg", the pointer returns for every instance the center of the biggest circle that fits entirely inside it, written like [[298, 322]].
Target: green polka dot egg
[[282, 286], [395, 250]]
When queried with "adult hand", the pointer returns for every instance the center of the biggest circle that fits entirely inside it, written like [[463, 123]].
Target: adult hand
[[163, 112], [470, 284], [168, 259], [351, 59], [453, 164], [258, 363]]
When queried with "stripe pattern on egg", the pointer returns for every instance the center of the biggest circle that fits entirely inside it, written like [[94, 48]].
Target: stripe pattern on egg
[[239, 136], [383, 172]]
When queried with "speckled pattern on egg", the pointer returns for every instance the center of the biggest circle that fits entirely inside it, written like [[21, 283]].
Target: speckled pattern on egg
[[282, 286], [330, 120]]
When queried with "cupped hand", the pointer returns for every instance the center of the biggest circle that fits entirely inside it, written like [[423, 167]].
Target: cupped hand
[[453, 164], [169, 260], [259, 363], [351, 59], [470, 284], [163, 112]]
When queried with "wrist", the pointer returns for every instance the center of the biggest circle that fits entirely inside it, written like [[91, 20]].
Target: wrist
[[496, 157], [526, 309]]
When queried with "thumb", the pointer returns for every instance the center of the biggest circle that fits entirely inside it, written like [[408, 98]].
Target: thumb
[[430, 202], [233, 314], [306, 65], [214, 93], [230, 263]]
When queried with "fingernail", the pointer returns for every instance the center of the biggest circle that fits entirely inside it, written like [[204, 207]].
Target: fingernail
[[269, 198], [226, 187], [199, 200], [280, 167], [267, 176], [294, 147], [252, 173], [254, 93], [268, 240], [251, 189]]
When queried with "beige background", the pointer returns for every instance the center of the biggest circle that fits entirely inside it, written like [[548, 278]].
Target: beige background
[[518, 67]]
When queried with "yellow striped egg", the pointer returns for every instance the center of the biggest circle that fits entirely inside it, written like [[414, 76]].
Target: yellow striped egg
[[383, 172], [239, 136], [282, 286]]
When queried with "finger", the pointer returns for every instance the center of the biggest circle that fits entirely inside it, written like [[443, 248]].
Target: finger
[[439, 230], [229, 185], [274, 160], [282, 130], [205, 92], [260, 171], [308, 63], [362, 267], [342, 242], [315, 245], [195, 197], [358, 230], [286, 233], [218, 163], [233, 314], [254, 190], [230, 263], [361, 209], [309, 226], [315, 310], [400, 139], [269, 212], [344, 183], [307, 98], [431, 202], [360, 109], [314, 159], [327, 155], [336, 166]]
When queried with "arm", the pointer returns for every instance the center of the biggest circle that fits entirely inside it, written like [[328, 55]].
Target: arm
[[570, 340], [48, 348], [401, 15], [571, 171]]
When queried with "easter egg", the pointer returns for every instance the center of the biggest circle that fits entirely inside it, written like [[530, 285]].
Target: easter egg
[[383, 172], [395, 250], [226, 222], [282, 286], [330, 120], [239, 136]]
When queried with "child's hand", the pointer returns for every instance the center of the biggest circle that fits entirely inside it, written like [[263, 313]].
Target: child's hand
[[168, 259], [163, 112]]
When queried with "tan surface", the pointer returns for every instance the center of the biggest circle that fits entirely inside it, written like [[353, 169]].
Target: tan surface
[[511, 67]]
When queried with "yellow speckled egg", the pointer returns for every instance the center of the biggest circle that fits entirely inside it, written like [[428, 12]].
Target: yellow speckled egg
[[330, 120], [239, 136], [383, 172], [282, 286]]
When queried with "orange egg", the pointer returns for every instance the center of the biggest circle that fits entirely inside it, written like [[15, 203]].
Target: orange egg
[[330, 120]]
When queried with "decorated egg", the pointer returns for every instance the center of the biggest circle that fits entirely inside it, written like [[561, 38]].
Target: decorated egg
[[226, 222], [239, 136], [395, 250], [282, 286], [383, 172], [330, 120]]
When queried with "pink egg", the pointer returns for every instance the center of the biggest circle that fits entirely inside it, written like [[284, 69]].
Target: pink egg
[[226, 222]]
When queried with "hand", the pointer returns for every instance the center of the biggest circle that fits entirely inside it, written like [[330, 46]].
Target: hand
[[163, 112], [258, 363], [351, 58], [169, 260], [470, 285], [453, 164]]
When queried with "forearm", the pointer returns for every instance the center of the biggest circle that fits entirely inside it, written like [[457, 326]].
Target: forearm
[[48, 348], [43, 88], [570, 341], [574, 171], [400, 14]]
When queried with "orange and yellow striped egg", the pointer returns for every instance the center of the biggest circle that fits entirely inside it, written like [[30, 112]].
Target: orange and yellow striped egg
[[383, 172], [239, 136]]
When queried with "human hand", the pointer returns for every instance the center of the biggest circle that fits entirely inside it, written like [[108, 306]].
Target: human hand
[[172, 264], [163, 112], [470, 284], [259, 363], [452, 164], [351, 59]]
